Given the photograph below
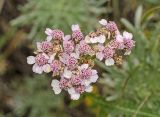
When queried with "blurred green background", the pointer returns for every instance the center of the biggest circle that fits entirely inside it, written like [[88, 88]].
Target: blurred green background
[[130, 90]]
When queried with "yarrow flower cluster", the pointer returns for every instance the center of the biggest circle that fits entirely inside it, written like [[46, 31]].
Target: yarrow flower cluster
[[71, 57]]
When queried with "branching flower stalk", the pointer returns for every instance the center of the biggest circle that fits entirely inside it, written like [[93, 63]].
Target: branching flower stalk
[[71, 57]]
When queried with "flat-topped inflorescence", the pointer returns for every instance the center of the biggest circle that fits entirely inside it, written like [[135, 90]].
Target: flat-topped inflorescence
[[71, 57]]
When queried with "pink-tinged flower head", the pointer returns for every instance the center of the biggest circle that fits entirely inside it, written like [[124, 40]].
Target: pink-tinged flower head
[[86, 73], [64, 83], [129, 44], [108, 52], [80, 89], [114, 44], [72, 62], [84, 48], [111, 26], [76, 80], [41, 59], [40, 63], [55, 34], [68, 46], [55, 66], [89, 75], [77, 35], [44, 46]]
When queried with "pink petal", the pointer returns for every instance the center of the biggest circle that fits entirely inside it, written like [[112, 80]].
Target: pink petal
[[30, 59]]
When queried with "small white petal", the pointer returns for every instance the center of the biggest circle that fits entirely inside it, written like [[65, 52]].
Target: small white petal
[[99, 56], [51, 58], [103, 22], [75, 96], [101, 39], [94, 40], [48, 31], [89, 88], [30, 59], [128, 52], [49, 38], [109, 62], [57, 91], [87, 39], [84, 66], [127, 35], [75, 55], [119, 38], [67, 73], [94, 72], [46, 68], [87, 82], [55, 86], [39, 46], [67, 37], [37, 69], [71, 90], [94, 78], [75, 27]]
